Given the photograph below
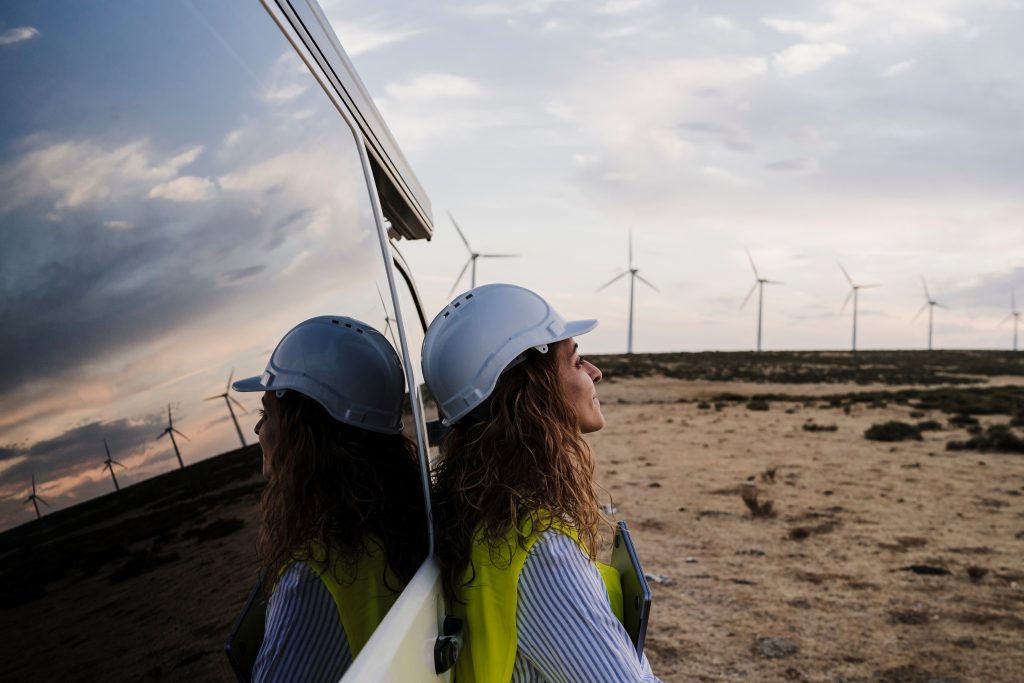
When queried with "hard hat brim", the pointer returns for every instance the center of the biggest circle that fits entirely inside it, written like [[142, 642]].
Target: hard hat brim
[[574, 328], [249, 384]]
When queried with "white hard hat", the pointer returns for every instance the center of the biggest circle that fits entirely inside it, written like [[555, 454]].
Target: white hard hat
[[344, 365], [479, 335]]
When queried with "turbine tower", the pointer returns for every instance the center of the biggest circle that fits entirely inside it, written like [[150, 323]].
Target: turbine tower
[[109, 464], [228, 399], [854, 288], [1015, 314], [33, 498], [473, 256], [171, 431], [388, 332], [759, 283], [930, 304], [634, 275]]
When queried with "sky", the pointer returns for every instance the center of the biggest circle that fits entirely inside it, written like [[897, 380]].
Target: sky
[[167, 215], [884, 136]]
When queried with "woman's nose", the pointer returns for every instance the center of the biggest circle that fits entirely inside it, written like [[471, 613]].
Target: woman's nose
[[594, 372], [257, 427]]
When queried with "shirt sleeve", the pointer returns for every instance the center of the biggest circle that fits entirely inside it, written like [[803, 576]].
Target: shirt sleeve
[[303, 639], [566, 628]]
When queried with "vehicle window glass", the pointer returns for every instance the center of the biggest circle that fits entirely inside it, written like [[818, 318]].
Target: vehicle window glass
[[176, 192]]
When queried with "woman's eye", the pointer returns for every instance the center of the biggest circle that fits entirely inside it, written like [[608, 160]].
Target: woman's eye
[[261, 412], [579, 363]]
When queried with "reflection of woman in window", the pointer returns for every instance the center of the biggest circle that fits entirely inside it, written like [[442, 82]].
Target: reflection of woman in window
[[515, 510], [343, 521]]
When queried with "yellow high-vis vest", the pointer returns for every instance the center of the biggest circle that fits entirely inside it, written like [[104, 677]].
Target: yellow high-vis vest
[[488, 603], [363, 596]]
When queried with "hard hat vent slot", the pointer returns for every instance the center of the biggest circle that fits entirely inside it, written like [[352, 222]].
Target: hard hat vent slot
[[468, 297], [456, 304], [334, 322]]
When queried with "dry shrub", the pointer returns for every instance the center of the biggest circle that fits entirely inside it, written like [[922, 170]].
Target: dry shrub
[[759, 508], [893, 430]]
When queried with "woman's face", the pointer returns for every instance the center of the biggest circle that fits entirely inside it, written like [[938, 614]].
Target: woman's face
[[268, 429], [578, 377]]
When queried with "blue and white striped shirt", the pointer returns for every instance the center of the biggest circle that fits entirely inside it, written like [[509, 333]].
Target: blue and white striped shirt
[[565, 626], [566, 629], [303, 639]]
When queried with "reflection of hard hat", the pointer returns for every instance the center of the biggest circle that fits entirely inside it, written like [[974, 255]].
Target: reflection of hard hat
[[344, 365], [482, 333]]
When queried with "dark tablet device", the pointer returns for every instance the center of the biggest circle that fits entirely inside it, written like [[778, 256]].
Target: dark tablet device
[[636, 594], [247, 634]]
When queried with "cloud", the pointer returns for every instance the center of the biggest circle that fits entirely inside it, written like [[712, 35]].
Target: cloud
[[619, 7], [793, 165], [365, 34], [803, 58], [78, 174], [18, 35], [433, 86], [118, 225], [185, 189], [899, 68]]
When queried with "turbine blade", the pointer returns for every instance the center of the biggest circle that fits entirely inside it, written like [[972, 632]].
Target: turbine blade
[[459, 278], [1006, 319], [919, 312], [106, 448], [42, 501], [752, 266], [1013, 300], [773, 282], [620, 275], [227, 387], [749, 294], [499, 255], [936, 303], [235, 401], [845, 303], [182, 435], [848, 278], [631, 248], [638, 277], [116, 463], [210, 398], [162, 434], [925, 285], [869, 285], [464, 240]]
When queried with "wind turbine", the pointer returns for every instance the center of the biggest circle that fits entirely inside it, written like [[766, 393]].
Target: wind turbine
[[854, 288], [109, 464], [1015, 314], [473, 256], [634, 275], [388, 332], [35, 498], [228, 399], [930, 304], [759, 283], [170, 430]]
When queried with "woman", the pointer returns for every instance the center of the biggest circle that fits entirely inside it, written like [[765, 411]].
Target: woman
[[516, 516], [343, 520]]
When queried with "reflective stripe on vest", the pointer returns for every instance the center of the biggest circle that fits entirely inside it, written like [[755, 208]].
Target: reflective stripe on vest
[[489, 600], [362, 597]]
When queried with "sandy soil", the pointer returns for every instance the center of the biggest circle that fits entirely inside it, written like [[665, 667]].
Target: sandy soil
[[745, 601], [817, 593]]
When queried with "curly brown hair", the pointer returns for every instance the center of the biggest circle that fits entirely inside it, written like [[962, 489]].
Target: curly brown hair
[[526, 460], [335, 486]]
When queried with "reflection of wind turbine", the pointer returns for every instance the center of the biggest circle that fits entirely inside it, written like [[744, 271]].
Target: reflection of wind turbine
[[35, 498], [388, 332], [228, 399], [930, 304], [109, 464], [634, 275], [759, 283], [1015, 314], [854, 288], [473, 256], [170, 430]]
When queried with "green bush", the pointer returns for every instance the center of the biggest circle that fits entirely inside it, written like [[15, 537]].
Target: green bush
[[893, 431], [996, 439]]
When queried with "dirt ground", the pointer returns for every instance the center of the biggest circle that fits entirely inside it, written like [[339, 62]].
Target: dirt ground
[[821, 591], [824, 590]]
